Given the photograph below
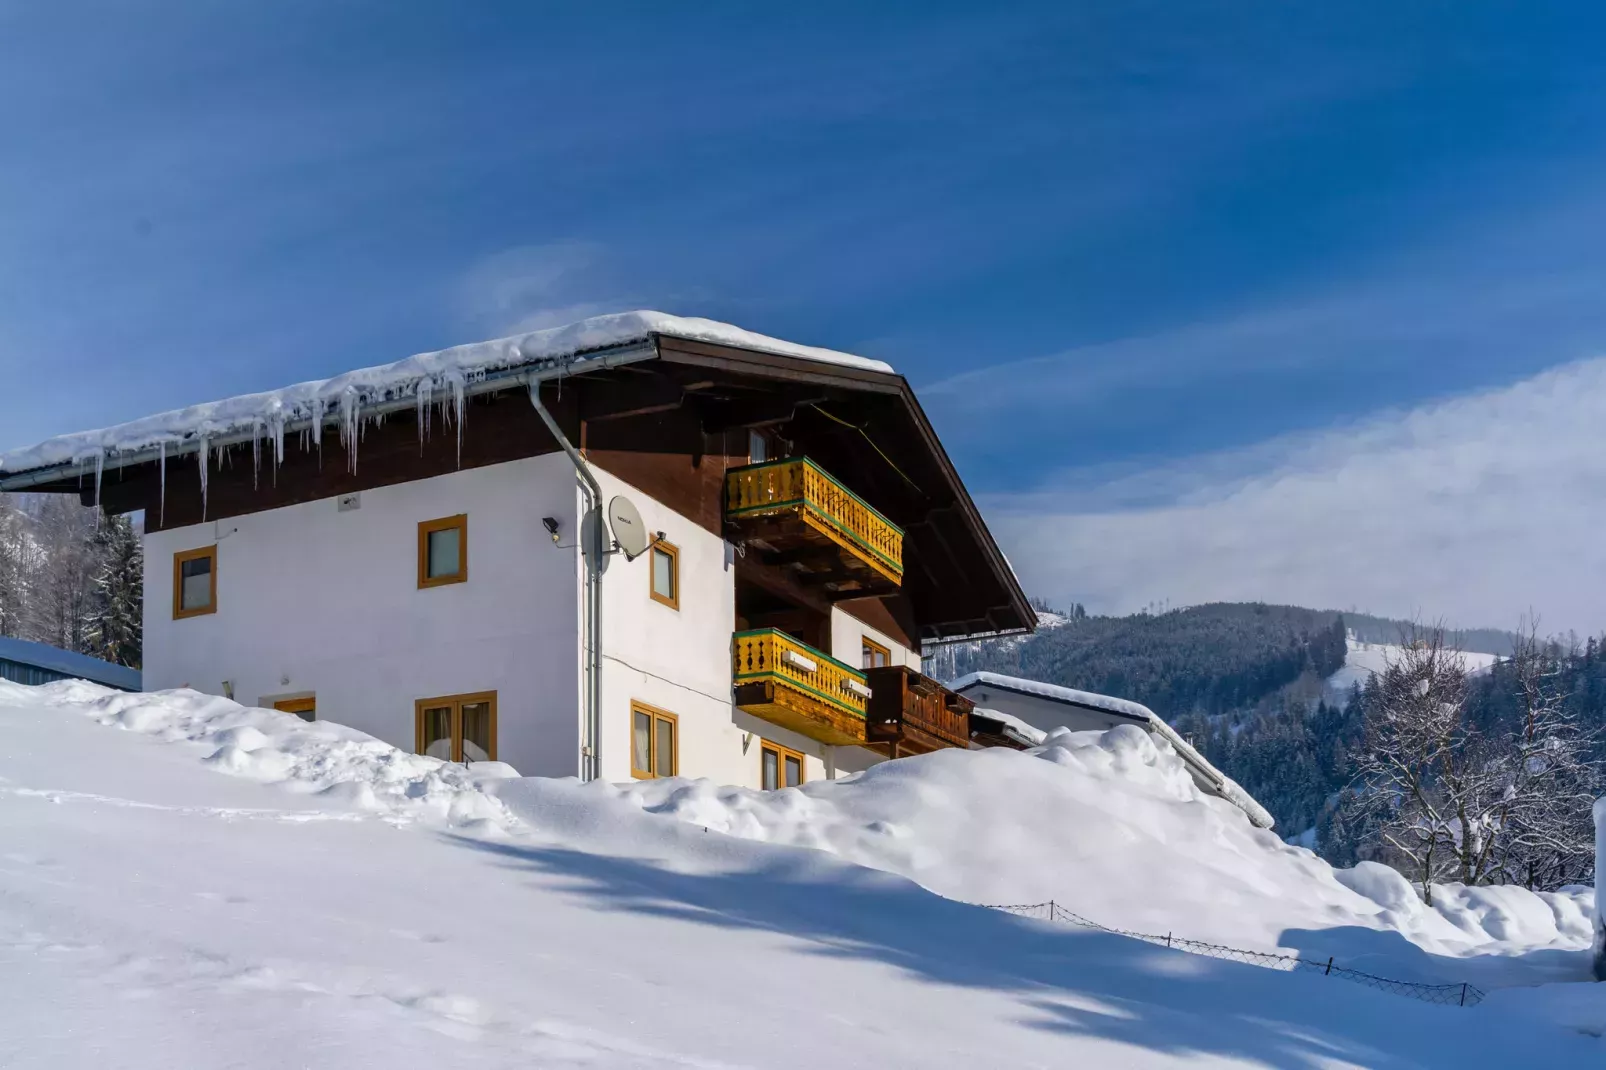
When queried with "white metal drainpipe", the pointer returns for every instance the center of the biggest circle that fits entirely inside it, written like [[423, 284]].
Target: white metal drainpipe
[[592, 551]]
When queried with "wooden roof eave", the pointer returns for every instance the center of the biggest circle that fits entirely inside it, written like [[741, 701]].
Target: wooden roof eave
[[797, 369]]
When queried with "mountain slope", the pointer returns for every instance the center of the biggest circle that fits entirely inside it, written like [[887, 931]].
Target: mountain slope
[[1208, 659], [184, 882], [1261, 690]]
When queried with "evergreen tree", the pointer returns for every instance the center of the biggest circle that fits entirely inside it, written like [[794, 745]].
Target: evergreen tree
[[113, 627]]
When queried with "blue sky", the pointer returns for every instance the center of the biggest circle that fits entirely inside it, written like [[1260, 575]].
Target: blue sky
[[1135, 257]]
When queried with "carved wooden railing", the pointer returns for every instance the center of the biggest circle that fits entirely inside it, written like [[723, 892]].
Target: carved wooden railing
[[933, 713], [771, 654], [798, 485], [903, 700]]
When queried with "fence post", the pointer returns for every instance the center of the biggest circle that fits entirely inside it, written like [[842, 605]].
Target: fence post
[[1167, 939], [1051, 910], [1329, 966], [1463, 993]]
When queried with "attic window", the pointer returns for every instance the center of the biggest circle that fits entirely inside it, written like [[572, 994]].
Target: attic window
[[875, 656], [194, 582], [443, 551]]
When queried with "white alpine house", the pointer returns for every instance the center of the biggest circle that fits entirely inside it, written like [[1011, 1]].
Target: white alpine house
[[639, 545]]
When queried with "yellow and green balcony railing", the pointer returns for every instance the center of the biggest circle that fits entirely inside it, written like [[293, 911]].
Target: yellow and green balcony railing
[[792, 684], [799, 487]]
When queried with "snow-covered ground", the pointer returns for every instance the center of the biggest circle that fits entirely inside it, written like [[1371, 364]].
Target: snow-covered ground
[[1364, 660], [186, 882]]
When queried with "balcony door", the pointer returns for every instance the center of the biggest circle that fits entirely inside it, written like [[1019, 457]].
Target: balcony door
[[457, 728]]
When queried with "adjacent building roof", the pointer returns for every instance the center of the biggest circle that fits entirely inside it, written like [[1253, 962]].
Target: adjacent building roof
[[1066, 695], [1136, 712], [67, 664]]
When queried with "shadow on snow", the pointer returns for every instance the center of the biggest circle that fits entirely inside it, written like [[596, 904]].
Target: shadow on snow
[[1067, 980]]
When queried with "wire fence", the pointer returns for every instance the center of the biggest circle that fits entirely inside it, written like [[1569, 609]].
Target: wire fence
[[1456, 995]]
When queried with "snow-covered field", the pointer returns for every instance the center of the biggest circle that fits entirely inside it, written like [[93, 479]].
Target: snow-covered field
[[1364, 660], [186, 882]]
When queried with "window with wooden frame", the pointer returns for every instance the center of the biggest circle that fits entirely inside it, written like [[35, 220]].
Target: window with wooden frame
[[665, 571], [457, 728], [443, 551], [304, 707], [779, 767], [874, 654], [654, 742], [194, 582]]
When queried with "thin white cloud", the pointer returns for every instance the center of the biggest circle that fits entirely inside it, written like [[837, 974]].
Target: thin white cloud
[[1474, 509], [530, 287]]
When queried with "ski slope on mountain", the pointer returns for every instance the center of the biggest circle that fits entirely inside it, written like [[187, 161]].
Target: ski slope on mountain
[[186, 882], [1365, 660]]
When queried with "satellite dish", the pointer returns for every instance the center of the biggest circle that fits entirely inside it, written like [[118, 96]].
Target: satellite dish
[[628, 530]]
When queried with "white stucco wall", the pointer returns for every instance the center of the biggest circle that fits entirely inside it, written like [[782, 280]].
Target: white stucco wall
[[847, 641], [314, 601], [310, 599], [679, 660]]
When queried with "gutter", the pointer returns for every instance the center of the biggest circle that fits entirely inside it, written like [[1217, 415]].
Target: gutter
[[591, 628], [976, 637]]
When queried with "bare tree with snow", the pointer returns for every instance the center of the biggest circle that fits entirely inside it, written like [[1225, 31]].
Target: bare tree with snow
[[19, 560], [1448, 800], [1546, 834], [1422, 773]]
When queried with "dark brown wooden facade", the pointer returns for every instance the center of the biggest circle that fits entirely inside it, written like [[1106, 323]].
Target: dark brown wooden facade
[[910, 713]]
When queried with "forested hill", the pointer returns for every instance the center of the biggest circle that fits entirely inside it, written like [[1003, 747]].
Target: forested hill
[[1247, 683], [1209, 659]]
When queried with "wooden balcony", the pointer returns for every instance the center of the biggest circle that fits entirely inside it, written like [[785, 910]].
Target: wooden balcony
[[910, 713], [795, 686], [797, 515]]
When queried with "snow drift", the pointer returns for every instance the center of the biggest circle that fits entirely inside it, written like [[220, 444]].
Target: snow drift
[[334, 901], [1108, 824], [1111, 826]]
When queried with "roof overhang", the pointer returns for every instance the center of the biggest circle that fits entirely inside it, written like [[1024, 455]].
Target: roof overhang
[[862, 421]]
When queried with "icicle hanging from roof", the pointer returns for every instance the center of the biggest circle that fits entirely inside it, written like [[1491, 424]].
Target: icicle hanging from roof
[[161, 465], [316, 427], [459, 409], [256, 453], [276, 429], [423, 391], [350, 430], [204, 455]]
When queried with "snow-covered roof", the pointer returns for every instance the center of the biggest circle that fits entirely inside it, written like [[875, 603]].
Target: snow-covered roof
[[66, 663], [1222, 784], [423, 377], [1069, 695], [1014, 727]]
